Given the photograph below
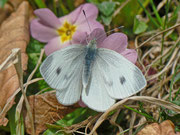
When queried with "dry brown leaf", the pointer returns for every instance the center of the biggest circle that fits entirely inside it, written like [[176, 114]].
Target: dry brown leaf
[[78, 2], [46, 109], [5, 12], [8, 8], [15, 3], [14, 33], [165, 128]]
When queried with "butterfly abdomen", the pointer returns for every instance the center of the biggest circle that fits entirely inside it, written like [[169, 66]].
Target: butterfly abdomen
[[89, 58]]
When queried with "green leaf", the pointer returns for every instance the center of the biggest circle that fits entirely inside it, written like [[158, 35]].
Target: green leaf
[[139, 26], [141, 113], [177, 102], [156, 12], [77, 116], [107, 8], [106, 20], [11, 116], [127, 14], [54, 132], [19, 124], [148, 14], [33, 50], [2, 3]]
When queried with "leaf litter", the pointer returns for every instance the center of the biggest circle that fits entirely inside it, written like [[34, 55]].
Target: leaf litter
[[14, 33]]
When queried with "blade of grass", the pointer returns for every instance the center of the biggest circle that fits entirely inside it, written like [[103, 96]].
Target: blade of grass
[[149, 15], [12, 124], [40, 4], [19, 71], [142, 109], [19, 124], [63, 8], [139, 128], [164, 26], [166, 13], [156, 13], [145, 3], [54, 7], [144, 114], [177, 93], [70, 4], [32, 3]]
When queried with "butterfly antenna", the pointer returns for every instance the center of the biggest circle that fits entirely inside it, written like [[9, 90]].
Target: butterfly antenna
[[110, 31], [88, 25], [87, 20]]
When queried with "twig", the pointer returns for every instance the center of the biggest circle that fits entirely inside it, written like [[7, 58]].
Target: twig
[[149, 39], [20, 103], [14, 94], [133, 118], [151, 100], [168, 65], [19, 71], [119, 9]]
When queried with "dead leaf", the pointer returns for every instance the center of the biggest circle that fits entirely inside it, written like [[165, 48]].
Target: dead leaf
[[46, 109], [165, 128], [78, 2], [14, 33], [5, 12], [8, 8], [15, 3]]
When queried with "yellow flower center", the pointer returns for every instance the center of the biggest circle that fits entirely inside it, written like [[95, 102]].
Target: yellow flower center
[[66, 31]]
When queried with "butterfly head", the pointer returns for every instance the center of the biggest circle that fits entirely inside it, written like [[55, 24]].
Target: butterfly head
[[92, 44]]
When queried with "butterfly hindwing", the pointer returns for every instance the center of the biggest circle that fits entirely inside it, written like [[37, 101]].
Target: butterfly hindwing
[[95, 95], [61, 70]]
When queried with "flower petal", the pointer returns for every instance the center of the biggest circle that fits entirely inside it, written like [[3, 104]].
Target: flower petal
[[72, 17], [48, 18], [54, 45], [79, 37], [81, 103], [41, 32], [117, 42], [78, 17], [93, 25], [91, 13], [98, 34], [130, 54]]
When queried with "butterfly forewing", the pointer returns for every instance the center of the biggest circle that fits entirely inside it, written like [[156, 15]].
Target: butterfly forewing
[[121, 77], [61, 70]]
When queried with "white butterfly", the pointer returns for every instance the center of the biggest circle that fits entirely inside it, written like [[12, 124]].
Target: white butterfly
[[98, 76]]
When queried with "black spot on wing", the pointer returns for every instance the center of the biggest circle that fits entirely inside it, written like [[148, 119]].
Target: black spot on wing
[[122, 80], [58, 70]]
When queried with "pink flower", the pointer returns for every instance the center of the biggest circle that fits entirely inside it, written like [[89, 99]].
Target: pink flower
[[70, 29], [117, 42]]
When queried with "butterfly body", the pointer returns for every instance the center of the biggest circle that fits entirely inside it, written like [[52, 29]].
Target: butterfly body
[[98, 76], [90, 56]]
